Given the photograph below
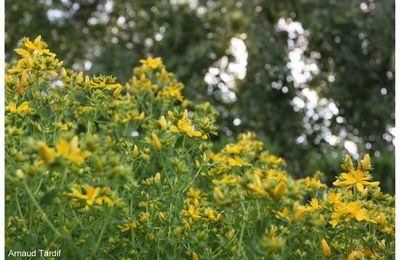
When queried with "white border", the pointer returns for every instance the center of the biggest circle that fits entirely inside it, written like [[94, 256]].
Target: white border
[[397, 136], [2, 161]]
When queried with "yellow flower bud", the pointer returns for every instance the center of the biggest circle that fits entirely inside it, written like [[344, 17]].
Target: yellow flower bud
[[197, 164], [156, 142], [298, 215], [79, 77], [145, 157], [63, 72], [20, 174], [151, 237], [218, 193], [163, 123], [117, 91], [279, 190], [157, 177], [382, 244], [325, 248], [161, 216], [230, 234], [364, 193], [171, 116], [87, 80], [135, 151], [366, 162], [353, 255], [178, 230], [195, 256]]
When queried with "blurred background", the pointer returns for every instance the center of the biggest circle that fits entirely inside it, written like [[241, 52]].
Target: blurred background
[[314, 79]]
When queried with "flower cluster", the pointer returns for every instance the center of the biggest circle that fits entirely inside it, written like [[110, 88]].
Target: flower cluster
[[105, 170]]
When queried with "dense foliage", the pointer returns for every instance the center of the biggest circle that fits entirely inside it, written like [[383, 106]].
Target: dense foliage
[[104, 170], [351, 43]]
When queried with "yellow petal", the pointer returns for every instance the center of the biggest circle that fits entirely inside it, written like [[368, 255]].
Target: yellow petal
[[63, 147], [22, 52]]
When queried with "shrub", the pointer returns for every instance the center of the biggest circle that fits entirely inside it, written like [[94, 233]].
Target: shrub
[[96, 168]]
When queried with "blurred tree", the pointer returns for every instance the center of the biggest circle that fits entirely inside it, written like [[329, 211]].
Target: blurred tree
[[344, 90], [352, 42]]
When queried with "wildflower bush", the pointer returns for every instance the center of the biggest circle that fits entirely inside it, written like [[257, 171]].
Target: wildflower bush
[[100, 169]]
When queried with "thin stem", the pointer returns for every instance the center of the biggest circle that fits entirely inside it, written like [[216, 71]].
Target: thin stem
[[100, 237], [165, 171], [194, 178], [20, 213], [34, 201]]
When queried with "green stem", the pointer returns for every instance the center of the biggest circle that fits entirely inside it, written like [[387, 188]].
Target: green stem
[[165, 171], [241, 238], [37, 205], [94, 251], [194, 178], [20, 214]]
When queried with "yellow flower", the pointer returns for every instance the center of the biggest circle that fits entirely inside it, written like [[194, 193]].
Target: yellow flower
[[325, 248], [356, 178], [283, 214], [129, 226], [35, 58], [152, 63], [237, 161], [71, 151], [144, 216], [104, 82], [232, 149], [184, 126], [333, 197], [21, 110], [193, 212], [227, 179], [314, 184], [351, 210], [156, 142], [171, 92], [37, 46], [48, 155], [92, 195], [314, 205], [274, 160]]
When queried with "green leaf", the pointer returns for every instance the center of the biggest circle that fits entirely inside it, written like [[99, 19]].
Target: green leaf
[[49, 196], [179, 141]]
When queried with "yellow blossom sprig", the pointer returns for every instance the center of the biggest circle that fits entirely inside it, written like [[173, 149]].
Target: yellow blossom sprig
[[21, 110], [358, 177], [183, 125], [69, 151], [350, 210], [36, 60], [106, 82], [92, 195]]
